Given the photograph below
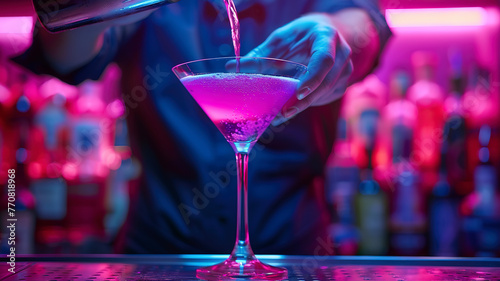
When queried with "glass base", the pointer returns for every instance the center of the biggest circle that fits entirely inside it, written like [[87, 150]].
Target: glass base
[[242, 270]]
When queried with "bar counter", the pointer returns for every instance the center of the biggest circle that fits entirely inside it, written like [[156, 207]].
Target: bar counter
[[183, 267]]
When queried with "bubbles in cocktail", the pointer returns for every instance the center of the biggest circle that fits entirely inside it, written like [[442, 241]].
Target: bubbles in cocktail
[[244, 130], [240, 105]]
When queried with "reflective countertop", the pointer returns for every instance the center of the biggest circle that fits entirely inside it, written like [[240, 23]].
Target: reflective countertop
[[183, 267]]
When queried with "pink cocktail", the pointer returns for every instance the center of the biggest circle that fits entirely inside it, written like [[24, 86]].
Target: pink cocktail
[[241, 100], [235, 101]]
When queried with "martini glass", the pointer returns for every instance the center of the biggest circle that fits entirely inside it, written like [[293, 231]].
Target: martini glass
[[241, 99]]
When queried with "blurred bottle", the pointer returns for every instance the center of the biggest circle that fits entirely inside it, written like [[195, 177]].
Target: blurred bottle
[[402, 115], [398, 122], [481, 208], [428, 97], [342, 182], [85, 171], [370, 199], [88, 137], [48, 186], [52, 119], [362, 105], [120, 181], [444, 218], [481, 107], [455, 129], [371, 210], [408, 224], [91, 158], [50, 122]]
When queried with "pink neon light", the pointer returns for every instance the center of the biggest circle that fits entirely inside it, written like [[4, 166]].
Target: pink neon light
[[16, 25], [473, 16], [15, 35]]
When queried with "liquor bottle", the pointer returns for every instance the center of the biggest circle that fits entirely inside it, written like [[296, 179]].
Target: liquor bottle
[[455, 130], [444, 218], [428, 97], [402, 116], [120, 181], [481, 108], [58, 15], [51, 120], [481, 208], [362, 105], [90, 159], [399, 118], [371, 212], [84, 169], [89, 134], [407, 219], [48, 186], [342, 182]]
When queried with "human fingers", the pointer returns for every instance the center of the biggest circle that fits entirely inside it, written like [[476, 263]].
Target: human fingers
[[323, 56]]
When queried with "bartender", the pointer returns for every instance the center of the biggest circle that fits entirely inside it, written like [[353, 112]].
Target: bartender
[[186, 201]]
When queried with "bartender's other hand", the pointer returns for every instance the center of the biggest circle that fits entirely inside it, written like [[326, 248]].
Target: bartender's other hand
[[312, 40]]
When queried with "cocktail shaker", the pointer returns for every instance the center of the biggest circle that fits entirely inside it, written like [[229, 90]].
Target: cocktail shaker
[[59, 15]]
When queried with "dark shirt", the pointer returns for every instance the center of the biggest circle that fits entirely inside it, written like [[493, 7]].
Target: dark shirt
[[186, 202]]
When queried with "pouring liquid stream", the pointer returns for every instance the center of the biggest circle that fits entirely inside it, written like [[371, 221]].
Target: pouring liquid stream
[[235, 30]]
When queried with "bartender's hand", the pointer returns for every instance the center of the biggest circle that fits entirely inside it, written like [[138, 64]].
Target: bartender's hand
[[316, 41]]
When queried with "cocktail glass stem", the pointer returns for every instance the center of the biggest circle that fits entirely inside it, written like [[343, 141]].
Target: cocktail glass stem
[[242, 250], [242, 263]]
